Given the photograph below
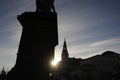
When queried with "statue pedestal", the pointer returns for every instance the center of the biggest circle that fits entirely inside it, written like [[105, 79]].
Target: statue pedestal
[[36, 50]]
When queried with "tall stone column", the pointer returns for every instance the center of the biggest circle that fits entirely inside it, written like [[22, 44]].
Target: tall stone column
[[36, 49]]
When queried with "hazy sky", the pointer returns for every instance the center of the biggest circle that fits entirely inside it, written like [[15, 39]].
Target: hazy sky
[[89, 26]]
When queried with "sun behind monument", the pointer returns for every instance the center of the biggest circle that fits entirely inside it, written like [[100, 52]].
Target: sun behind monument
[[38, 40], [54, 62]]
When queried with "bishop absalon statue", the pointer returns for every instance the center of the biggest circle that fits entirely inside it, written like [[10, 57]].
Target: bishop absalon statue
[[45, 6]]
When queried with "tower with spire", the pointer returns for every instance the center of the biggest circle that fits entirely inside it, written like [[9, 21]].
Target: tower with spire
[[65, 54]]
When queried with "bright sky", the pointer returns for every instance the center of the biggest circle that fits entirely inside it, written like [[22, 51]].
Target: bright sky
[[89, 26]]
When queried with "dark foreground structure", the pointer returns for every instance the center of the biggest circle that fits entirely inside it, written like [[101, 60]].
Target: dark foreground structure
[[36, 49], [99, 67]]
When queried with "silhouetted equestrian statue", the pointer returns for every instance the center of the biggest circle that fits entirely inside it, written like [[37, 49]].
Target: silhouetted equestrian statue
[[45, 6]]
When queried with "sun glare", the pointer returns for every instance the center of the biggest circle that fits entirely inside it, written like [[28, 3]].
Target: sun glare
[[55, 62], [56, 58]]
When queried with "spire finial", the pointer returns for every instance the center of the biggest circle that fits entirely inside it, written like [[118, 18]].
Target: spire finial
[[65, 39], [64, 45]]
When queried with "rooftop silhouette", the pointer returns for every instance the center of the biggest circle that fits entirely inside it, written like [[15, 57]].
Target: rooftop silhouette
[[99, 67]]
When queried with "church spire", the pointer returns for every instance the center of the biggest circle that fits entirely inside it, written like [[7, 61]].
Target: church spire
[[65, 45], [65, 54]]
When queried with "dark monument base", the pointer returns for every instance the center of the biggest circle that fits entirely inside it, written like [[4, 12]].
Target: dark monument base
[[36, 50]]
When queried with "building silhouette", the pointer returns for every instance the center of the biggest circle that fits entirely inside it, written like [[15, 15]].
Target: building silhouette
[[36, 49], [99, 67]]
